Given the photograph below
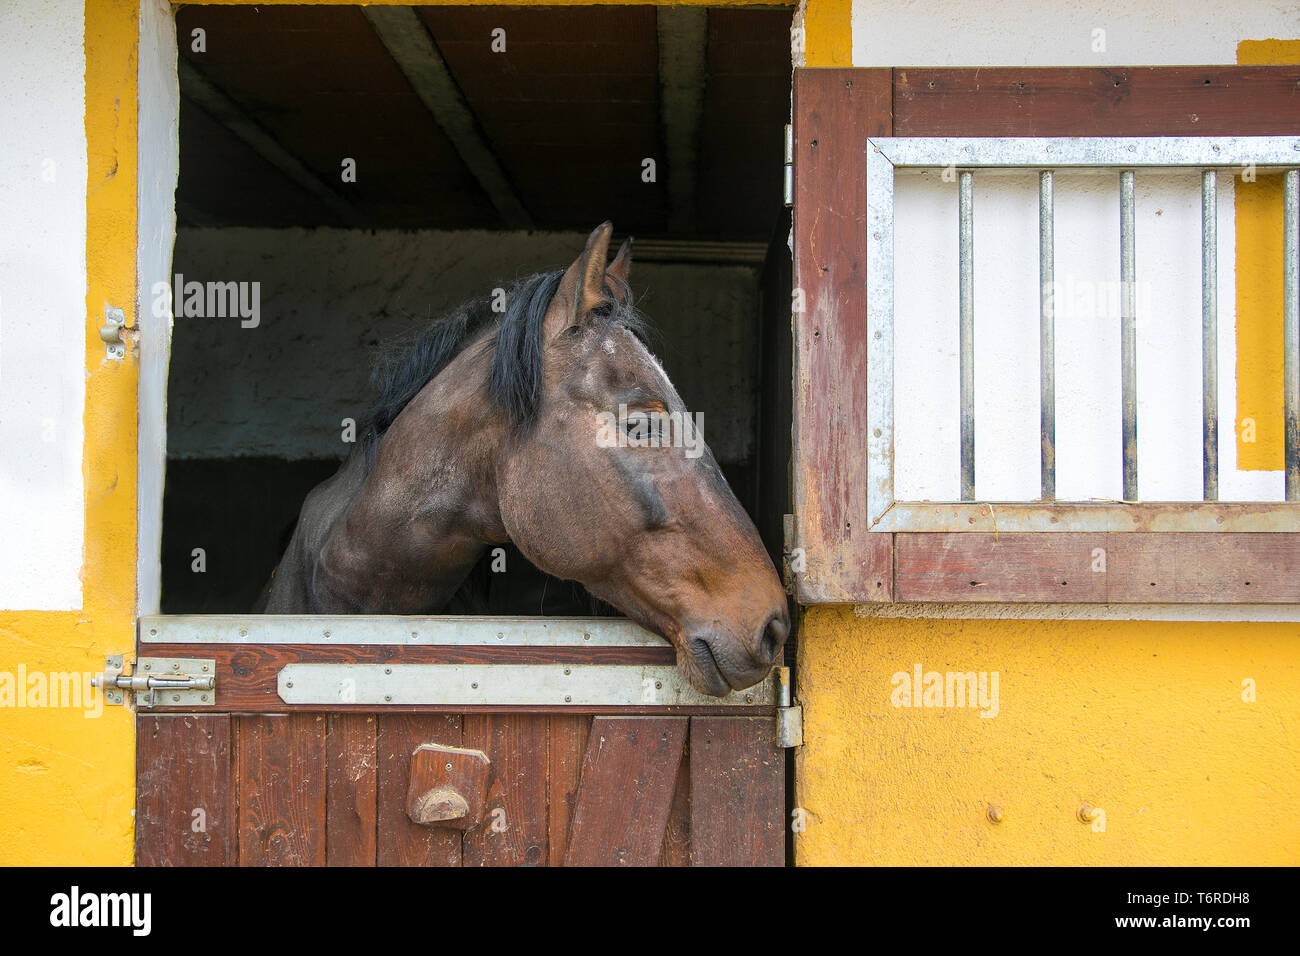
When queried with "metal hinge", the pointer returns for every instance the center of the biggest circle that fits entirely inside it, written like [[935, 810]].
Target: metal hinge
[[789, 715], [112, 332], [789, 165], [170, 681]]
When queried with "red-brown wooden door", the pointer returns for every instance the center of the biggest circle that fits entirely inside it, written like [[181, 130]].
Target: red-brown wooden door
[[254, 781]]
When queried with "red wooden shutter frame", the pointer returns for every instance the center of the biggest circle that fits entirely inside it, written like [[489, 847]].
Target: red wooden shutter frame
[[835, 110]]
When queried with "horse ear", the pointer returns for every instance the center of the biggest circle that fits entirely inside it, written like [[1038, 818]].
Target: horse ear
[[582, 287], [619, 269]]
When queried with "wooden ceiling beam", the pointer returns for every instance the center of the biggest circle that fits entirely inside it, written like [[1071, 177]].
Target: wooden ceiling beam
[[683, 48], [404, 35], [206, 95]]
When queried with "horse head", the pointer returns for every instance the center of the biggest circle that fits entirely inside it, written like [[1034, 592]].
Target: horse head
[[607, 481], [553, 426]]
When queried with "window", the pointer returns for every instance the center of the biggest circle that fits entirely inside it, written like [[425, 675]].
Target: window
[[854, 131]]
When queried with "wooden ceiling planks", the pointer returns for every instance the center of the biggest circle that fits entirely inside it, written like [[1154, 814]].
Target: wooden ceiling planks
[[570, 109], [320, 82]]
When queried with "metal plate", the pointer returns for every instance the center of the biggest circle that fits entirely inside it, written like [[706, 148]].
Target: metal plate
[[394, 629], [1056, 152], [505, 685], [172, 696]]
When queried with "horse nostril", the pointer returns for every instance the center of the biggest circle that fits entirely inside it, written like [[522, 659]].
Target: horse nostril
[[772, 637]]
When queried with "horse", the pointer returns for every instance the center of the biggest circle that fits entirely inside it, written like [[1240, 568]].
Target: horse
[[495, 427]]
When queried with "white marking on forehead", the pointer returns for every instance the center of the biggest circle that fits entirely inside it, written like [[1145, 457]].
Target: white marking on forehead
[[608, 346], [654, 360], [663, 376]]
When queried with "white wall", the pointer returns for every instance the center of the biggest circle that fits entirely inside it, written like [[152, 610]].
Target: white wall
[[159, 160], [42, 303], [1062, 32], [331, 297]]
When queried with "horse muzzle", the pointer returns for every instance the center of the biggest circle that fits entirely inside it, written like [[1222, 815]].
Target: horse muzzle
[[716, 662]]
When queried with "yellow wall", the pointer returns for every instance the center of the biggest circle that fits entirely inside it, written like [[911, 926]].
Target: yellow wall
[[67, 782], [1143, 720], [1259, 296], [828, 33]]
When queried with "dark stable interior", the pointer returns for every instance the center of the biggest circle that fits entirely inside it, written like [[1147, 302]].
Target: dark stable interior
[[578, 96]]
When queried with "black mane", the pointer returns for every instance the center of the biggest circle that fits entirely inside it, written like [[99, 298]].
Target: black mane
[[515, 382]]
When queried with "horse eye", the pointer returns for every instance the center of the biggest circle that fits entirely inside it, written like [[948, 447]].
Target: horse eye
[[573, 330]]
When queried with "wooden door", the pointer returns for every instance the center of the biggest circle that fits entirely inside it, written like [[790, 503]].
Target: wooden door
[[253, 780]]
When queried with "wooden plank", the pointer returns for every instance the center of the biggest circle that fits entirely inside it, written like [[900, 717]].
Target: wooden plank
[[834, 113], [280, 772], [185, 804], [514, 829], [568, 745], [247, 673], [737, 793], [402, 842], [1097, 101], [1127, 567], [625, 797], [1204, 568], [352, 783], [677, 834], [971, 566]]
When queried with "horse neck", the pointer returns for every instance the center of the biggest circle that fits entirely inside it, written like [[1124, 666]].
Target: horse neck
[[428, 507]]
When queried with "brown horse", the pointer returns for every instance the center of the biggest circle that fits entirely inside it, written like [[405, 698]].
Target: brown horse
[[494, 427]]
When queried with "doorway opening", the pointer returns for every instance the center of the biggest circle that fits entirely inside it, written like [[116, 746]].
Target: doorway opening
[[348, 174]]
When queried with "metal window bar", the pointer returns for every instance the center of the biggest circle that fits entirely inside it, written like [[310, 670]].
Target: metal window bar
[[1046, 336], [1127, 155], [966, 257], [1128, 335], [1291, 329], [1209, 336]]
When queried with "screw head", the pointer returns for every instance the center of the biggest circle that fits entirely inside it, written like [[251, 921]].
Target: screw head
[[388, 670], [568, 699], [995, 813], [288, 683], [448, 765], [474, 686]]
